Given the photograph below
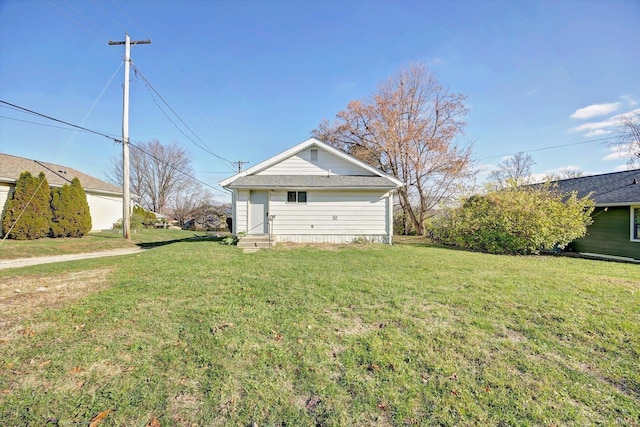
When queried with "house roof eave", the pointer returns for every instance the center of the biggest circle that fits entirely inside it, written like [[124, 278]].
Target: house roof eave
[[300, 147], [617, 204]]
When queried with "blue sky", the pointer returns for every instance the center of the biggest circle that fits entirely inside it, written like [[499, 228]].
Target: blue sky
[[253, 78]]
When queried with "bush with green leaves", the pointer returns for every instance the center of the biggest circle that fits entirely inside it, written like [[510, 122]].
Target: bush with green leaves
[[28, 212], [71, 216], [146, 218], [516, 220], [233, 240], [135, 222]]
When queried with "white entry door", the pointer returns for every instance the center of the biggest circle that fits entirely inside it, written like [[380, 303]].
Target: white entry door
[[258, 202]]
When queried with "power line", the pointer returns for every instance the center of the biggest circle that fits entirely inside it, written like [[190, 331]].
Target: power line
[[95, 103], [35, 113], [547, 148], [202, 145], [175, 168], [213, 172], [41, 124], [78, 23], [17, 107]]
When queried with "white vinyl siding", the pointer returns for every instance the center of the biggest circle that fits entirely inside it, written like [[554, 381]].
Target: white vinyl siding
[[105, 210], [330, 213], [5, 192], [241, 211], [300, 164]]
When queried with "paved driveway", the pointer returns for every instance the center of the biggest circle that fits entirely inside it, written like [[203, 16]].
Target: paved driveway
[[24, 262]]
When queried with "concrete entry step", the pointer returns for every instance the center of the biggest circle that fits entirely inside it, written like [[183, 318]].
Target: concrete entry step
[[255, 242]]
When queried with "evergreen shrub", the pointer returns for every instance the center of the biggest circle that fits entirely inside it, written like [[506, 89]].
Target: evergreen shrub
[[70, 210], [28, 212]]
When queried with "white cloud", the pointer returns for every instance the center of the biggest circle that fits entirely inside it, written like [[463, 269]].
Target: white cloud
[[629, 100], [598, 132], [621, 168], [537, 178], [617, 152], [602, 127], [593, 126], [561, 171], [595, 110], [485, 168]]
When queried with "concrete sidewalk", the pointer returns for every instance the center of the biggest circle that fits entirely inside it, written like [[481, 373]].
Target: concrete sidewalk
[[24, 262]]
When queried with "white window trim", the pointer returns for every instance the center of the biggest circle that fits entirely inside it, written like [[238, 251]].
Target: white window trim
[[632, 212]]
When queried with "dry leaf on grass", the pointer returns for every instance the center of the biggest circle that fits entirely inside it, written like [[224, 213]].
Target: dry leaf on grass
[[27, 332], [312, 402], [383, 406], [220, 328], [95, 422], [153, 423]]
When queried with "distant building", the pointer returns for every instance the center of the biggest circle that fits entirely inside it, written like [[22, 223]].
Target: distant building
[[615, 231], [105, 200]]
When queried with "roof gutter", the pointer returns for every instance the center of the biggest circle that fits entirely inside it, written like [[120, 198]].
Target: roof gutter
[[617, 204]]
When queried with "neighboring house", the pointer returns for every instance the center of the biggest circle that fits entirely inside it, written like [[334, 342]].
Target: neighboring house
[[615, 231], [313, 193], [105, 200]]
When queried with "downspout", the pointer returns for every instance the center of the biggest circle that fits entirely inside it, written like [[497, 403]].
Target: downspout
[[390, 216]]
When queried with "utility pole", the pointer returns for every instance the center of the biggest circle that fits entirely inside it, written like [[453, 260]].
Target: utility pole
[[126, 209], [240, 163]]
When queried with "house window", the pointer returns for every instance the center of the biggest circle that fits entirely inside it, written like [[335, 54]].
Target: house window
[[297, 196], [635, 223], [314, 155]]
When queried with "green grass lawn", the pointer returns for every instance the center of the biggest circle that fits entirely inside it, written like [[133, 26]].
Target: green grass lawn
[[197, 333], [93, 242]]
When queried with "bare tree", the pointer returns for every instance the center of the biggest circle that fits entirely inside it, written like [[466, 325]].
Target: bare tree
[[570, 173], [157, 172], [408, 129], [189, 199], [513, 171], [628, 137]]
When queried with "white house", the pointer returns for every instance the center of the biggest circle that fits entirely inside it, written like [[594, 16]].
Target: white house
[[313, 193], [104, 199]]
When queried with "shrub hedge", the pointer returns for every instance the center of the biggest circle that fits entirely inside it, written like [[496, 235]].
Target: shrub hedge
[[516, 220], [35, 210]]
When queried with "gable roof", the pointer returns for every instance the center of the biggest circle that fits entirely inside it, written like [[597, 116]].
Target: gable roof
[[57, 175], [617, 188], [249, 179]]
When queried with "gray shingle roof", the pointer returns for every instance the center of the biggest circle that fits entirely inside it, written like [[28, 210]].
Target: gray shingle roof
[[312, 181], [611, 188], [11, 167]]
